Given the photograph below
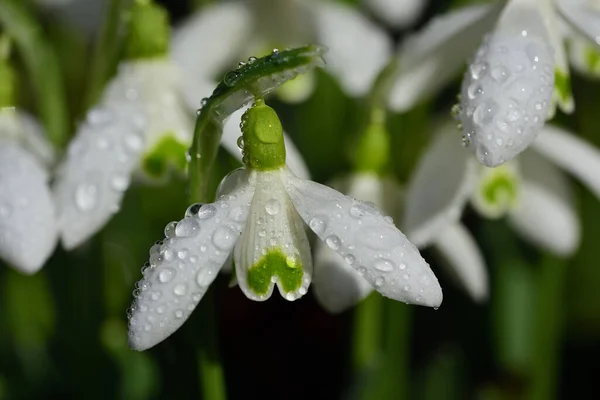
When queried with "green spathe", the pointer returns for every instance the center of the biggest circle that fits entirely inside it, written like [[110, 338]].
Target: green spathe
[[149, 31], [264, 148], [167, 152], [288, 270]]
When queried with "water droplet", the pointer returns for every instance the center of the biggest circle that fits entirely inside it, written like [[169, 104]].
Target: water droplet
[[180, 289], [290, 296], [485, 112], [500, 74], [357, 211], [474, 90], [86, 196], [119, 182], [317, 224], [187, 227], [240, 143], [402, 266], [384, 265], [405, 276], [170, 229], [166, 275], [133, 142], [379, 281], [272, 206], [262, 233], [293, 261], [224, 238], [333, 242], [239, 214], [231, 78], [478, 70], [350, 259], [362, 270], [251, 60], [192, 210], [179, 314], [207, 211]]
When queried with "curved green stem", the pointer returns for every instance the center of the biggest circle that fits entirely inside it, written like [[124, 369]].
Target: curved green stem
[[42, 66], [366, 343]]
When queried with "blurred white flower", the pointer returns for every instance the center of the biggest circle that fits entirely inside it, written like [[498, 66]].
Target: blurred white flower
[[517, 74], [218, 35], [397, 14], [28, 230], [531, 191], [259, 217]]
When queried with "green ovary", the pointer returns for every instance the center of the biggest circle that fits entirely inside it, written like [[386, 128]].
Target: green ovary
[[562, 84], [287, 269], [168, 152]]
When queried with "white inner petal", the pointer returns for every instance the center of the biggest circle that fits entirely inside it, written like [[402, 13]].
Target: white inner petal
[[273, 229]]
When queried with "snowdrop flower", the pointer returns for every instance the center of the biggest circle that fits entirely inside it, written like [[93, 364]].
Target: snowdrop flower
[[531, 191], [518, 72], [259, 217], [203, 48], [397, 14], [27, 216], [140, 126]]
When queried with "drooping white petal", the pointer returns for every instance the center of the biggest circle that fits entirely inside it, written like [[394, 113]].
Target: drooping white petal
[[273, 249], [140, 107], [583, 15], [439, 187], [358, 49], [206, 44], [460, 251], [232, 132], [184, 265], [337, 285], [27, 217], [433, 56], [546, 215], [575, 155], [507, 91], [367, 240], [397, 13], [33, 139]]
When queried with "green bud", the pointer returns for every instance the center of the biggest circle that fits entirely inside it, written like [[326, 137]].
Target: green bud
[[372, 152], [264, 148], [149, 31]]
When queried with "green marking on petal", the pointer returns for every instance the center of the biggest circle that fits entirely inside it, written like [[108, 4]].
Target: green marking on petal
[[592, 59], [166, 154], [288, 270], [562, 86], [497, 192]]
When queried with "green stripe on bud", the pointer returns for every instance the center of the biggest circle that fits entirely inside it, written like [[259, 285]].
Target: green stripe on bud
[[264, 147], [149, 31], [288, 271], [497, 192]]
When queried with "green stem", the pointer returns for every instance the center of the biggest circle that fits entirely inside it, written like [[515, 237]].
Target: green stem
[[42, 65], [106, 50], [548, 328], [396, 356], [367, 333]]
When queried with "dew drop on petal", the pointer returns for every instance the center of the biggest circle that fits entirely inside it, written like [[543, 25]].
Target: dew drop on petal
[[317, 224], [384, 265], [86, 196], [180, 289], [187, 227], [224, 238], [166, 275], [272, 206], [207, 211], [333, 242], [170, 229]]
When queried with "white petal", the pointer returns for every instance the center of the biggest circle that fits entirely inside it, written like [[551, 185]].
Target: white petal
[[232, 132], [358, 49], [546, 215], [183, 267], [460, 251], [22, 128], [397, 13], [432, 57], [584, 15], [273, 229], [439, 187], [337, 285], [206, 44], [27, 216], [575, 155], [507, 91], [367, 240], [140, 106]]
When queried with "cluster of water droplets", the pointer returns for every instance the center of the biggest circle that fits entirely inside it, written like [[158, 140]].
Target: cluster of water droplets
[[506, 96], [370, 243], [182, 266]]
